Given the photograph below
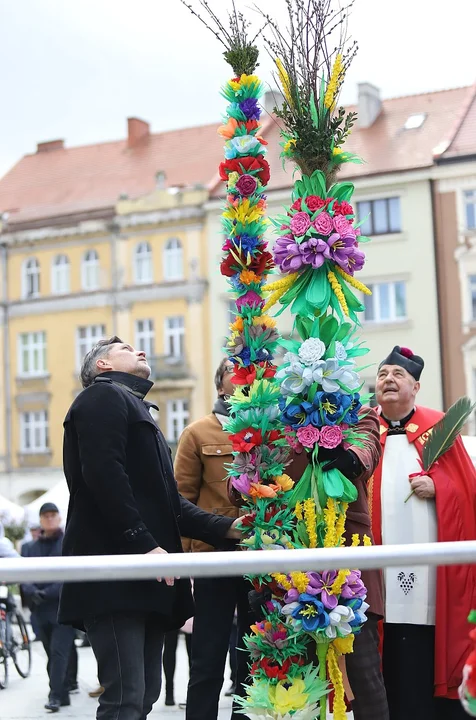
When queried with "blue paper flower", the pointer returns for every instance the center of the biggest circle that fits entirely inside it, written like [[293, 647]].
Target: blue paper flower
[[352, 415], [311, 613]]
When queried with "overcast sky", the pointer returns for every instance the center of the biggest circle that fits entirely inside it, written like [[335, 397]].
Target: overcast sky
[[76, 69]]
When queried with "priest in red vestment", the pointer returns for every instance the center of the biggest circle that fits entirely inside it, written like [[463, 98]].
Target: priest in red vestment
[[425, 631]]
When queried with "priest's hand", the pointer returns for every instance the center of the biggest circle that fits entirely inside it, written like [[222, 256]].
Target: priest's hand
[[423, 487]]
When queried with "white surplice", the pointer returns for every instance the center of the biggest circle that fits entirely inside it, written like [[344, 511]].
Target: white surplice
[[410, 592]]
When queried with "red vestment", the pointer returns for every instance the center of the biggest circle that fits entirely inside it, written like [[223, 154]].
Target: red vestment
[[455, 484]]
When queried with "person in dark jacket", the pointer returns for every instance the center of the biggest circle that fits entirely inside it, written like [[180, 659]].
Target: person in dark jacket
[[124, 499], [43, 599]]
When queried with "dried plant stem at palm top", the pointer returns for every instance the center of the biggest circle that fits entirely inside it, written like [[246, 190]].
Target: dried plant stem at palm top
[[315, 36]]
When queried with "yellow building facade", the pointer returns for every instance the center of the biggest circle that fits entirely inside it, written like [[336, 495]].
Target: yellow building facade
[[139, 274]]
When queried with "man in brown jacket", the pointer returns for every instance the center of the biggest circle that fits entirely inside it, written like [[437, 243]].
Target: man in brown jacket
[[364, 664], [203, 451]]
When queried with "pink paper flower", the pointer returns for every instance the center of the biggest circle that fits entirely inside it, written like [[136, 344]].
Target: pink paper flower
[[292, 440], [300, 224], [330, 436], [308, 435], [323, 223], [342, 225], [246, 185]]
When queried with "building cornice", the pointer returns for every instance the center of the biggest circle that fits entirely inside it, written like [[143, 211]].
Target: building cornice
[[191, 291], [158, 217]]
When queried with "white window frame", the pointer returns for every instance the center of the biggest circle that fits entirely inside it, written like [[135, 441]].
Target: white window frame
[[469, 197], [90, 270], [173, 259], [375, 298], [34, 344], [34, 432], [472, 293], [31, 278], [85, 343], [372, 232], [143, 269], [60, 275], [145, 336], [178, 415], [174, 336]]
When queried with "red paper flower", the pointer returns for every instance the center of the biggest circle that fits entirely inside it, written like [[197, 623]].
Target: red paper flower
[[274, 435], [244, 375], [261, 262], [230, 266], [343, 208], [246, 439], [275, 671], [253, 165], [297, 205], [314, 202]]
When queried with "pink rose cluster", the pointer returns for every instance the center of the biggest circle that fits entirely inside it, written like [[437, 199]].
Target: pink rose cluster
[[330, 236], [328, 436]]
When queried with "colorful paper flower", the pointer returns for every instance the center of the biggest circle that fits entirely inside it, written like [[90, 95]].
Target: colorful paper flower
[[300, 224], [308, 436], [246, 185], [330, 437], [311, 351], [247, 439], [311, 613], [257, 166], [287, 254]]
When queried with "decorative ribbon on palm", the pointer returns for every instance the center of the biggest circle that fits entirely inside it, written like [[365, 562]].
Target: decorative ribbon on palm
[[314, 400]]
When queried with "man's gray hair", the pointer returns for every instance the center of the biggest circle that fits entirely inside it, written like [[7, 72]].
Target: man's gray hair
[[89, 368], [220, 372]]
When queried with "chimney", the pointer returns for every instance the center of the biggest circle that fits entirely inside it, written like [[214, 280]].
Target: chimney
[[370, 104], [49, 146], [272, 99], [137, 131]]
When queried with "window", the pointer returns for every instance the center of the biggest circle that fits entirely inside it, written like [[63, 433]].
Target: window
[[386, 304], [34, 432], [90, 270], [472, 290], [383, 216], [177, 419], [415, 121], [86, 339], [145, 336], [173, 260], [175, 337], [31, 278], [60, 275], [470, 207], [143, 263], [32, 354]]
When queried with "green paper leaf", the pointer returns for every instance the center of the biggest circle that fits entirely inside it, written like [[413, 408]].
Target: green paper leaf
[[345, 329], [304, 326], [291, 345], [318, 291], [302, 489], [318, 183], [328, 329], [313, 109], [341, 191]]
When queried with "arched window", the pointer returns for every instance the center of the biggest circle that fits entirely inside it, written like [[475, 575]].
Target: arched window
[[60, 275], [173, 259], [90, 270], [143, 263], [31, 278]]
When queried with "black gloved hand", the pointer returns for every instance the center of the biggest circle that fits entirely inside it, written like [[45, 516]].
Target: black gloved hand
[[344, 460], [257, 600], [38, 597]]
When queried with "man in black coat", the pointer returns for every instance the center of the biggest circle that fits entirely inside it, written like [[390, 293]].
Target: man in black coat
[[43, 599], [124, 499]]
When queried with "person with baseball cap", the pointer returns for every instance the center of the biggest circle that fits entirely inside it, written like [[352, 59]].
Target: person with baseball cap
[[43, 601]]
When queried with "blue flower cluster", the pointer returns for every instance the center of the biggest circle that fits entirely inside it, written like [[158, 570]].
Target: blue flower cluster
[[325, 409]]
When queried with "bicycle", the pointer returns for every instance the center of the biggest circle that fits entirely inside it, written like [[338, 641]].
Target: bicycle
[[14, 639]]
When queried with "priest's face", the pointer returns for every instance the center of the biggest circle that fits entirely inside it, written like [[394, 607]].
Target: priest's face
[[396, 390]]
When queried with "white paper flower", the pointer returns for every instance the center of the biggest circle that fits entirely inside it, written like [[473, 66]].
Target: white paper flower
[[311, 351], [340, 619], [341, 352]]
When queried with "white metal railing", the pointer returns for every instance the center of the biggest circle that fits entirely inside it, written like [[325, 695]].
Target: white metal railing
[[143, 567]]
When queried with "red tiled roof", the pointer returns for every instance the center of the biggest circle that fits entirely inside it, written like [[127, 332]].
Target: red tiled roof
[[90, 178], [462, 141]]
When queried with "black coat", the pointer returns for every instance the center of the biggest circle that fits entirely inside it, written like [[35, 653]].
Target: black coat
[[124, 499], [43, 547]]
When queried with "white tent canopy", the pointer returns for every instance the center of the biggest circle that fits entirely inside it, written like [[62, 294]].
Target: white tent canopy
[[10, 511], [58, 494]]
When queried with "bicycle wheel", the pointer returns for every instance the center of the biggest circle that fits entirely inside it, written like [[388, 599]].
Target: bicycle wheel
[[3, 651], [20, 648]]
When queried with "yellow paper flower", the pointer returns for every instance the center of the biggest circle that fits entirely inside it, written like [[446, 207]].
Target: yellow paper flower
[[300, 581], [330, 518], [339, 581], [284, 482], [288, 696], [238, 325], [355, 540], [367, 541], [282, 580], [284, 80], [335, 81], [310, 518], [247, 80], [336, 679], [289, 145], [344, 645], [340, 524], [244, 212], [233, 178], [337, 151], [298, 511], [264, 320]]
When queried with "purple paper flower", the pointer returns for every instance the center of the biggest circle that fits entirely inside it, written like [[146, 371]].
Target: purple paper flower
[[341, 248], [314, 251], [323, 584], [323, 223], [246, 185], [287, 255], [300, 224], [356, 260], [353, 586], [242, 484], [250, 109], [291, 596]]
